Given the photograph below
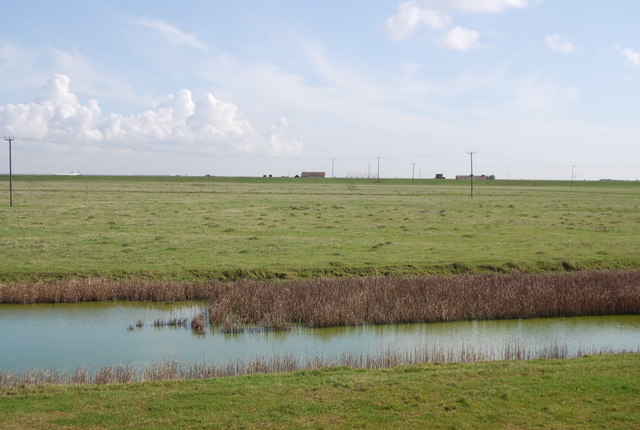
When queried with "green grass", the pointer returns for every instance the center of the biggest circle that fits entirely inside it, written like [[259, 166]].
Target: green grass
[[593, 392], [189, 228]]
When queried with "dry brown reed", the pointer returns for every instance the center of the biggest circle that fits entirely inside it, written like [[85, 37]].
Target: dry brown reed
[[95, 290], [276, 305], [355, 301], [197, 323], [176, 370]]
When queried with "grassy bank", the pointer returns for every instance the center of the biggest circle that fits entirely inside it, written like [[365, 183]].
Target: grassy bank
[[592, 392], [254, 228]]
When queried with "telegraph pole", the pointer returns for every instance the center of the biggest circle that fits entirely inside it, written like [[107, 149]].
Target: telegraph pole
[[378, 169], [10, 139], [573, 168], [413, 172], [332, 160], [471, 154]]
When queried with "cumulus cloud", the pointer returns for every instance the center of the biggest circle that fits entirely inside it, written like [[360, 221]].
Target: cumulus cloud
[[172, 33], [461, 39], [278, 144], [632, 56], [434, 14], [177, 119], [560, 44]]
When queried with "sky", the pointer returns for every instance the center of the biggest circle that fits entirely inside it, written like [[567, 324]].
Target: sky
[[536, 89]]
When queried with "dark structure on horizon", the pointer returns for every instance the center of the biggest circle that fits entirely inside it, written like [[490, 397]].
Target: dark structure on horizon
[[312, 175], [467, 177]]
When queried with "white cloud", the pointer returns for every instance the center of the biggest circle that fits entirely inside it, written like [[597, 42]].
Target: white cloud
[[279, 144], [410, 16], [461, 39], [172, 33], [472, 6], [23, 70], [632, 56], [560, 44], [434, 14], [176, 120]]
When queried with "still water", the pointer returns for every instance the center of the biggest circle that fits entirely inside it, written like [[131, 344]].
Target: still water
[[89, 335]]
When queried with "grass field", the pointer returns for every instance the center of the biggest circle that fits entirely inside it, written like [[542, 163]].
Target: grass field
[[593, 392], [226, 228], [195, 229]]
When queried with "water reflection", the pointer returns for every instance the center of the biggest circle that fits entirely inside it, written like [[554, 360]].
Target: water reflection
[[66, 336]]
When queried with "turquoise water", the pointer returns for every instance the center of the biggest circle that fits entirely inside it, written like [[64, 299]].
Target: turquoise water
[[69, 336]]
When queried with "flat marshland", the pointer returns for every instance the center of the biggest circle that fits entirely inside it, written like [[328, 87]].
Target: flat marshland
[[282, 251]]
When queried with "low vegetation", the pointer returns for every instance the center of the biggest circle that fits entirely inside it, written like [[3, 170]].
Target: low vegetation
[[590, 392], [176, 370], [354, 301]]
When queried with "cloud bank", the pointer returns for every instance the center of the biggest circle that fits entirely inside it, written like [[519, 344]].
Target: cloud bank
[[177, 119]]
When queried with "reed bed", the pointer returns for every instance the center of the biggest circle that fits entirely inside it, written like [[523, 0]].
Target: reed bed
[[357, 301], [177, 370], [324, 302], [97, 290]]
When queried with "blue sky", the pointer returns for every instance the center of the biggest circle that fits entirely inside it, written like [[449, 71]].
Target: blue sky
[[276, 87]]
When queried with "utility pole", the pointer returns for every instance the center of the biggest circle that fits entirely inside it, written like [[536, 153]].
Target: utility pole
[[369, 171], [378, 169], [413, 172], [573, 168], [10, 139], [332, 160], [471, 154]]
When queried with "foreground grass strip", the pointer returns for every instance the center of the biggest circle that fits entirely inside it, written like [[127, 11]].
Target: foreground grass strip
[[592, 392]]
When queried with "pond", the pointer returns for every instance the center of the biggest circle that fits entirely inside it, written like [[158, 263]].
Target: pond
[[89, 335]]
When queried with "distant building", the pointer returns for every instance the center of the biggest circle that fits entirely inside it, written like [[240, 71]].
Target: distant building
[[312, 175], [439, 176], [467, 177]]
